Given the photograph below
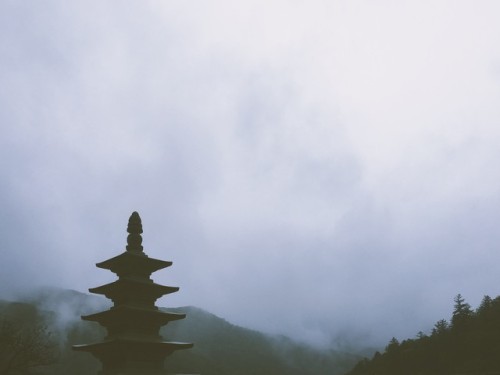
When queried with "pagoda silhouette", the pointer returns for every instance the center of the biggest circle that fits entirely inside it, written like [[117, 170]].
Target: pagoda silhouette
[[133, 344]]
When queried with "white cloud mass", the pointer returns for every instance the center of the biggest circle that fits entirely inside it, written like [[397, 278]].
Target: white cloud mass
[[313, 168]]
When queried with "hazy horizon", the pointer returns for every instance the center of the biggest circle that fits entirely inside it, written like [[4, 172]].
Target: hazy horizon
[[312, 169]]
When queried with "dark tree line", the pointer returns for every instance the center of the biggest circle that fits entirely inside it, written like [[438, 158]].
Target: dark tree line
[[26, 344], [468, 344]]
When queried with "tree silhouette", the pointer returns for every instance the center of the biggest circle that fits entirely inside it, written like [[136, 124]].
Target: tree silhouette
[[440, 328], [462, 313], [24, 347], [469, 345], [485, 306]]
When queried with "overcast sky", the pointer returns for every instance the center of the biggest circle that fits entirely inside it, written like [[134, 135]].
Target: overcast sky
[[311, 167]]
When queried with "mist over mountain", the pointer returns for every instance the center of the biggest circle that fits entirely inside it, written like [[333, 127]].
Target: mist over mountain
[[334, 162], [221, 348], [466, 343]]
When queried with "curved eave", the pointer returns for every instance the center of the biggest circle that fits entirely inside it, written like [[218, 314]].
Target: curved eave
[[127, 285], [161, 347], [129, 259], [125, 311]]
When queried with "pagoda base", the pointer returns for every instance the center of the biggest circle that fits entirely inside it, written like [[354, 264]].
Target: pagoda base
[[135, 357], [140, 372]]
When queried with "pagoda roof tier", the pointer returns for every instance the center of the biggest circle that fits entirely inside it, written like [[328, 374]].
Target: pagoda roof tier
[[133, 287], [133, 313], [133, 347], [129, 261]]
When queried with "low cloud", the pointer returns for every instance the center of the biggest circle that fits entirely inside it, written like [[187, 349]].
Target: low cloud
[[310, 169]]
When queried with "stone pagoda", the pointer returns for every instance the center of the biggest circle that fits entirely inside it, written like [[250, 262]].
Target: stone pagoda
[[133, 344]]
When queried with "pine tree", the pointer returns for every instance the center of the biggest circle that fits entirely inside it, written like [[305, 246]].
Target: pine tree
[[485, 306], [440, 327], [462, 313], [393, 346]]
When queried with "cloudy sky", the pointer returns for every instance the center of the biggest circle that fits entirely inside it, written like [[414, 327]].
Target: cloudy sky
[[312, 168]]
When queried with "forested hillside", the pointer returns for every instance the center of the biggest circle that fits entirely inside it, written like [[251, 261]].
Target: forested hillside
[[469, 343], [45, 326]]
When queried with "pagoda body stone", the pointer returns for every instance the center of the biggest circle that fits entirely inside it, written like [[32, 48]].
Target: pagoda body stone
[[133, 344]]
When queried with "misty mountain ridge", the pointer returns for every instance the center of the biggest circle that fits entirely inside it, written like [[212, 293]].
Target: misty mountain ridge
[[220, 347]]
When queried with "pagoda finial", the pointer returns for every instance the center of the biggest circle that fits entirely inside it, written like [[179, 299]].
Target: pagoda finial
[[134, 228]]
